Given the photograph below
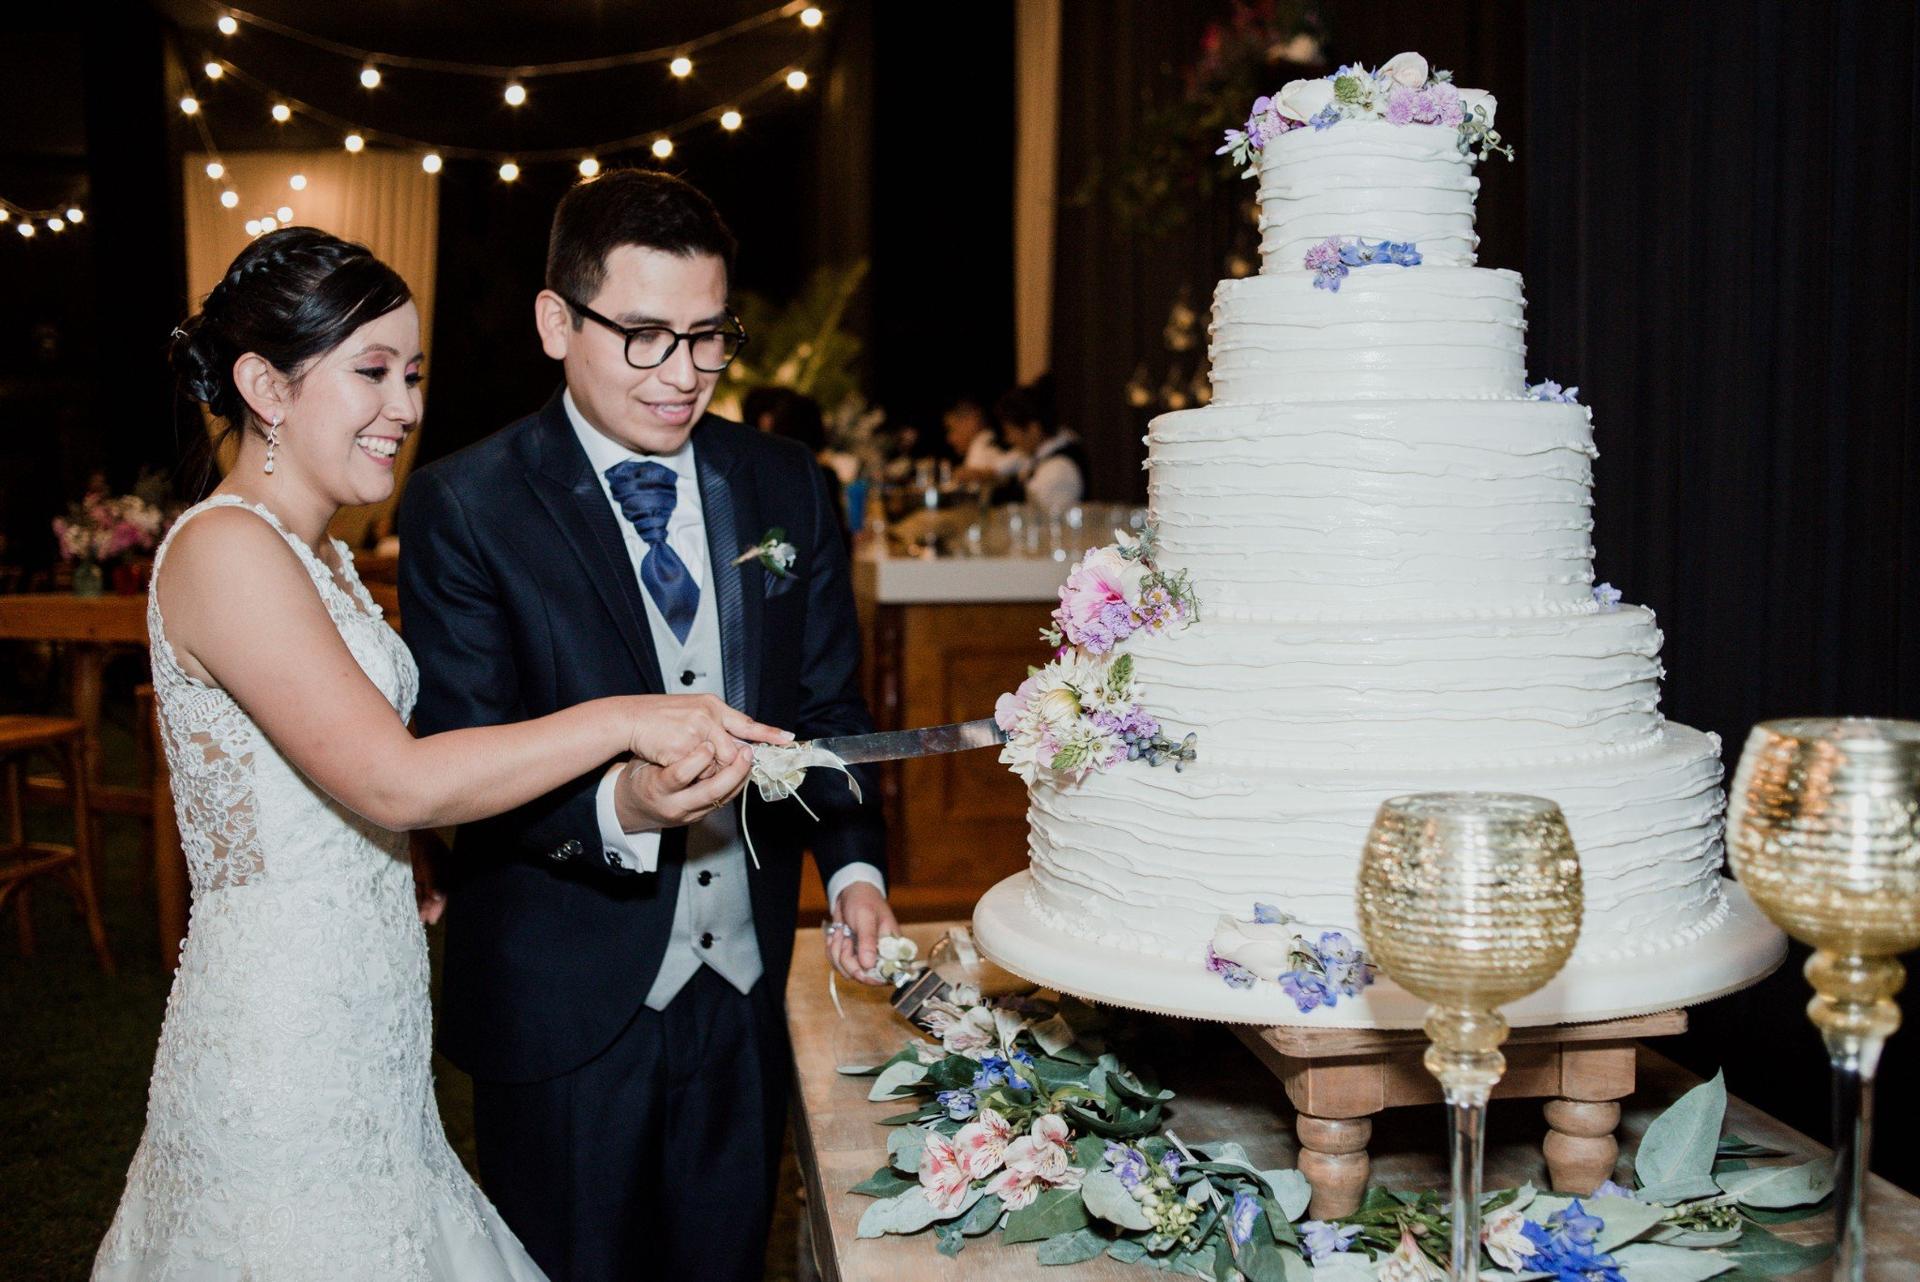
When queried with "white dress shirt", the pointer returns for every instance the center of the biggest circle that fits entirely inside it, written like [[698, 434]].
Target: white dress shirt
[[687, 536], [985, 455], [1053, 481]]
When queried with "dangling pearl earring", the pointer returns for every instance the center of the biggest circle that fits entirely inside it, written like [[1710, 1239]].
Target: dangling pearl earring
[[273, 439]]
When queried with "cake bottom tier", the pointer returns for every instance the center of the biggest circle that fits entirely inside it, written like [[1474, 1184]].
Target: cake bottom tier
[[1147, 860]]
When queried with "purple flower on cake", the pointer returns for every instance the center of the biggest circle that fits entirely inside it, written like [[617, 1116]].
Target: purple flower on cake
[[1313, 973], [1309, 991], [1334, 257], [1246, 1208], [1234, 974], [1268, 915], [1400, 105], [1325, 118], [1606, 596], [1548, 390], [1321, 1240]]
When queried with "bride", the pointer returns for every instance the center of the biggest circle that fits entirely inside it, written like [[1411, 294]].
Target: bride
[[291, 1125]]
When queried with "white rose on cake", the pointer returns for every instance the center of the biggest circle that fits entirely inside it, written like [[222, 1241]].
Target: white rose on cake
[[1471, 98], [1301, 100], [1408, 69]]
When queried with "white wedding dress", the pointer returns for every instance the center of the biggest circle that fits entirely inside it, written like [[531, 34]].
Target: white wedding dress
[[292, 1131]]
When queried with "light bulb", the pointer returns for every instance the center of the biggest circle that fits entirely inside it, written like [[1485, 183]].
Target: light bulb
[[663, 147], [227, 24], [253, 226], [216, 170], [284, 214], [589, 167], [56, 224], [796, 79], [214, 70], [229, 198], [268, 224], [681, 66], [509, 172], [5, 214], [810, 17], [27, 230], [76, 215], [282, 113], [729, 119], [190, 104], [370, 77], [355, 142], [431, 162], [516, 94], [298, 182]]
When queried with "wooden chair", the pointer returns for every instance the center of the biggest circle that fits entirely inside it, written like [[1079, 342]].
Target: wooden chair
[[63, 738]]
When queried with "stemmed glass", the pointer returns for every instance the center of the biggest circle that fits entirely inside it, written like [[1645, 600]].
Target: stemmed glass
[[1824, 832], [1471, 901]]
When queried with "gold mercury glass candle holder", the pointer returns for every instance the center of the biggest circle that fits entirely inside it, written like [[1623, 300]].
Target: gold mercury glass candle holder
[[1470, 901], [1824, 832]]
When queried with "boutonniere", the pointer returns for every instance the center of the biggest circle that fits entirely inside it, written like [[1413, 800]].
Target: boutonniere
[[773, 552]]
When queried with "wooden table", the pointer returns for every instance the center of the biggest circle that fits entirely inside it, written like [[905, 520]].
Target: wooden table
[[90, 629], [1223, 1093]]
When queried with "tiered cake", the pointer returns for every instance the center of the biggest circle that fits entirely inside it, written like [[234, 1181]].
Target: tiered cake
[[1388, 535]]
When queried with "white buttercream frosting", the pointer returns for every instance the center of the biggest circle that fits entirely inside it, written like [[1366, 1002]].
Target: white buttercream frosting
[[1370, 179]]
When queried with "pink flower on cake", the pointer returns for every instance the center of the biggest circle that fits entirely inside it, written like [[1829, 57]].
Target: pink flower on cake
[[1095, 610], [941, 1175], [1009, 708], [1036, 1161], [982, 1143]]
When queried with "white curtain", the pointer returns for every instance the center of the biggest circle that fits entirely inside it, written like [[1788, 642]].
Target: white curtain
[[382, 200], [1036, 44]]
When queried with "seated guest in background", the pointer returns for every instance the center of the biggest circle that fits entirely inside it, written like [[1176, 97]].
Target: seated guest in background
[[1055, 473], [781, 411], [982, 458]]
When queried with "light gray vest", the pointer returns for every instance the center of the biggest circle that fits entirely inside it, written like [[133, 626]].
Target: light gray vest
[[713, 916]]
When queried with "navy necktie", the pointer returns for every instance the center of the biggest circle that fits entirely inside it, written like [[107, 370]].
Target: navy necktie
[[646, 492]]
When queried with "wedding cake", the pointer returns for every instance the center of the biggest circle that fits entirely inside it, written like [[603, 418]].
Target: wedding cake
[[1370, 574]]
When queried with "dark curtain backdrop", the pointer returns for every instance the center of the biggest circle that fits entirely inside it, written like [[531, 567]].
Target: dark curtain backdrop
[[1722, 254]]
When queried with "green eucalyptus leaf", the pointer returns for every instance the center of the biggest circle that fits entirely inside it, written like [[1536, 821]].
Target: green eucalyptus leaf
[[1697, 1239], [1279, 1223], [904, 1148], [1054, 1212], [1127, 1250], [1106, 1197], [885, 1182], [1732, 1145], [1760, 1254], [1291, 1192], [1681, 1143], [1775, 1188], [910, 1212], [1071, 1248], [1791, 1215], [1685, 1189], [984, 1215], [896, 1080], [1648, 1262], [918, 1115], [952, 1240], [1623, 1219]]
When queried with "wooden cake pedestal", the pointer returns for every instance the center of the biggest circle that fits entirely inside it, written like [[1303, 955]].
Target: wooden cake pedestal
[[1338, 1078]]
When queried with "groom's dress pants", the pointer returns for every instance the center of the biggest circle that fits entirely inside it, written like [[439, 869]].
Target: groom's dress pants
[[658, 1158]]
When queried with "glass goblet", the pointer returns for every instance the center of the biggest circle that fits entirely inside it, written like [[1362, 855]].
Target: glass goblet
[[1824, 832], [1471, 901]]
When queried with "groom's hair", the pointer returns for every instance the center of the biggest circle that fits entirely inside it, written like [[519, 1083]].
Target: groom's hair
[[629, 207]]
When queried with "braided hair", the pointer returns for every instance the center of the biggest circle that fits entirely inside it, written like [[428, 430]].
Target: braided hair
[[290, 296]]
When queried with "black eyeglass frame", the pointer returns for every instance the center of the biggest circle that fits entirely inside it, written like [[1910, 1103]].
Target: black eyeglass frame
[[628, 333]]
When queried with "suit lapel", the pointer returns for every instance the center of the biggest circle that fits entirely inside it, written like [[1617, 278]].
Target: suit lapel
[[728, 501], [565, 482]]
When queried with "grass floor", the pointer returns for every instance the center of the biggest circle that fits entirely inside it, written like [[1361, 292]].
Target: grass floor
[[76, 1049]]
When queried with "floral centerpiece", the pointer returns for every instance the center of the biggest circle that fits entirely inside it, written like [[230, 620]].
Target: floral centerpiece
[[1083, 712], [1403, 91], [1021, 1123], [101, 529]]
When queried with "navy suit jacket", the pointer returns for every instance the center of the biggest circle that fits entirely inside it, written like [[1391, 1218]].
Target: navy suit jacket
[[518, 599]]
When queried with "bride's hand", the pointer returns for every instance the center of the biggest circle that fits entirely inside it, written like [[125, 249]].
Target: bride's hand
[[668, 727]]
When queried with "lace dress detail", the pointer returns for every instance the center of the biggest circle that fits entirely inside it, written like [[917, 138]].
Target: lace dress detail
[[292, 1131]]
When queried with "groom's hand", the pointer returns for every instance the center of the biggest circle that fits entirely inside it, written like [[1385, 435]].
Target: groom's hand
[[672, 796], [855, 951]]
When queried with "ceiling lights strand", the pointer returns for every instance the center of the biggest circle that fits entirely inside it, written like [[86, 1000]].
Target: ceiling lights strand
[[29, 222]]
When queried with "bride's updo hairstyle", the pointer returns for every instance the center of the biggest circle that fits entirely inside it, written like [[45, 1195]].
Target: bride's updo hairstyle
[[290, 296]]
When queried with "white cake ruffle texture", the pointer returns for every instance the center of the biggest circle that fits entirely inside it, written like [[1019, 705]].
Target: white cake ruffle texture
[[1369, 179]]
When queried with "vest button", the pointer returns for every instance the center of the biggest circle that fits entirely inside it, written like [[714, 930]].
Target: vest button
[[706, 879], [706, 940], [686, 678]]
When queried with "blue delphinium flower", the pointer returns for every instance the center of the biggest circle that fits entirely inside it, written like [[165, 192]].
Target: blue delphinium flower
[[1609, 1189], [1548, 390], [1022, 1057], [1606, 595], [1326, 117], [1171, 1163], [1402, 253], [1128, 1164], [1321, 1239], [1268, 915], [1245, 1207], [1361, 254], [1576, 1225], [1566, 1253], [995, 1071], [1309, 991], [960, 1105], [1234, 974]]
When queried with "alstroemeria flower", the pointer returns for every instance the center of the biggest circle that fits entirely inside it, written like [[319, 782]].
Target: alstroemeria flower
[[1035, 1161], [1409, 1263], [946, 1182], [982, 1144], [1505, 1239], [972, 1035]]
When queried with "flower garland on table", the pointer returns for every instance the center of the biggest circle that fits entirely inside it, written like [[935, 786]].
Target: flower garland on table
[[1403, 91], [1083, 711], [1020, 1125]]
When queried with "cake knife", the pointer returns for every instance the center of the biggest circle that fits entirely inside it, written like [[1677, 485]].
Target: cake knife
[[898, 745]]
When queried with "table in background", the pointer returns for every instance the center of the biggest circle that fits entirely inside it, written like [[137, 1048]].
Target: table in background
[[1222, 1093]]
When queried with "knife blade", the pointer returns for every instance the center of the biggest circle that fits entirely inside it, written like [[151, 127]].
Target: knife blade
[[898, 745]]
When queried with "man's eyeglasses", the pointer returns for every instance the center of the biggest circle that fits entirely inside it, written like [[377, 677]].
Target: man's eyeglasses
[[649, 346]]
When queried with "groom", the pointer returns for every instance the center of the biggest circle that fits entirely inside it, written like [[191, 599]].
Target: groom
[[615, 960]]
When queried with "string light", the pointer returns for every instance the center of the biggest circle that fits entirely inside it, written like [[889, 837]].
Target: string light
[[681, 66], [253, 226], [796, 79], [509, 172], [284, 214], [516, 94], [56, 225], [229, 198], [298, 182], [355, 143], [5, 213], [76, 215], [282, 113], [370, 77], [27, 229], [268, 224], [190, 105], [729, 120], [227, 24], [663, 147], [810, 17], [589, 167], [216, 170], [213, 70], [431, 162]]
